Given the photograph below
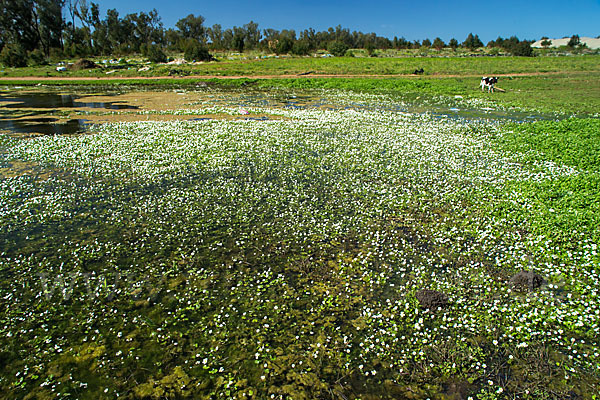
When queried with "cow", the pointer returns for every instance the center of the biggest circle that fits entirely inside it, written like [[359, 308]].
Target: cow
[[488, 82], [418, 71]]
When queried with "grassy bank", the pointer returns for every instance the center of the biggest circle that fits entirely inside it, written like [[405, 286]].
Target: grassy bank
[[460, 66], [569, 93]]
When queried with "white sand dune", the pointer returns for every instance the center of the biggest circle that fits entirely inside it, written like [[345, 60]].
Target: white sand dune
[[591, 43]]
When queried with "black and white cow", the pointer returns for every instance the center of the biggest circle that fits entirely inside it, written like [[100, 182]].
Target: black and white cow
[[488, 82]]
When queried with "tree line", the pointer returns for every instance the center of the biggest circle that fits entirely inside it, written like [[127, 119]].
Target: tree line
[[37, 29]]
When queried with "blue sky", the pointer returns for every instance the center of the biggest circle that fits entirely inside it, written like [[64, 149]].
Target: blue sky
[[415, 20]]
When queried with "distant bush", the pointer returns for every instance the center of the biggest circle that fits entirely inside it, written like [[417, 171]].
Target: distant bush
[[56, 54], [37, 57], [156, 54], [370, 48], [76, 50], [438, 43], [472, 42], [123, 49], [574, 41], [301, 48], [284, 45], [523, 49], [338, 49], [13, 55], [195, 51]]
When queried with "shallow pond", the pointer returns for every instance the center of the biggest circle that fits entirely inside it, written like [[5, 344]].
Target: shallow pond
[[34, 112], [45, 111], [56, 100], [249, 245]]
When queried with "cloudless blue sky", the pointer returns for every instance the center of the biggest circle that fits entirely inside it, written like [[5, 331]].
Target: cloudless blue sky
[[415, 20]]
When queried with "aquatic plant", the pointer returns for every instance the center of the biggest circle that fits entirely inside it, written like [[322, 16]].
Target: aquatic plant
[[282, 258]]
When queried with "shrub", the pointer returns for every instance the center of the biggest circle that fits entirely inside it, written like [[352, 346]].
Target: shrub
[[284, 45], [37, 57], [56, 54], [438, 43], [370, 48], [338, 49], [301, 48], [156, 54], [523, 49], [574, 41], [195, 51], [13, 55], [472, 42]]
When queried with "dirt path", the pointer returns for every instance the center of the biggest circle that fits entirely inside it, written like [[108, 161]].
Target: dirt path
[[296, 76]]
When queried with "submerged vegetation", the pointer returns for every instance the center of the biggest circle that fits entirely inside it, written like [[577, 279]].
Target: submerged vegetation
[[356, 251]]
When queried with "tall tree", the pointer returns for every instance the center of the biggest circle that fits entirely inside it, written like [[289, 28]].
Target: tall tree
[[89, 16], [18, 23], [50, 23], [286, 41], [438, 43], [271, 38], [228, 39], [472, 42], [173, 39], [215, 33], [253, 35], [310, 37], [114, 28], [239, 36], [192, 27], [147, 29]]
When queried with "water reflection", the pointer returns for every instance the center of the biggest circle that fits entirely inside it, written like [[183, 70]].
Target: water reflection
[[39, 107], [54, 100], [43, 126]]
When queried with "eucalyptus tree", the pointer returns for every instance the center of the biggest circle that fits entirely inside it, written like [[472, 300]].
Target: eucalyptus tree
[[192, 27], [18, 23], [239, 39], [253, 35], [215, 34]]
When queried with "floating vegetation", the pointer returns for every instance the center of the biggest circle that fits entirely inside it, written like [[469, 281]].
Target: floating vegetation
[[286, 258]]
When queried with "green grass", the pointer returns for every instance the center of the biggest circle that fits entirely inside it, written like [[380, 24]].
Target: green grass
[[341, 66], [560, 206], [571, 87], [574, 142], [559, 93]]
